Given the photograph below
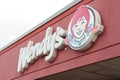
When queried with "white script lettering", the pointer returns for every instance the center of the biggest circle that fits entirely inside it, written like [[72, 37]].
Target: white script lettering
[[47, 47]]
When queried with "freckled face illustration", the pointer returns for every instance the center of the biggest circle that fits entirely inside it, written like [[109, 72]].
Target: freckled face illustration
[[82, 28], [79, 27]]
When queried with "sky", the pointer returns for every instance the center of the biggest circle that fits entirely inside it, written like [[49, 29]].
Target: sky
[[19, 16]]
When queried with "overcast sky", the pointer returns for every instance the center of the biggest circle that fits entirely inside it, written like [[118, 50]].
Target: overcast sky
[[19, 16]]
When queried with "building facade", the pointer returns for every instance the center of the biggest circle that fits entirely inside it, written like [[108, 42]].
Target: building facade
[[69, 63]]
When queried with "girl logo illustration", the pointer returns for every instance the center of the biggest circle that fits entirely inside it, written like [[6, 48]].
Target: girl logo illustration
[[84, 28]]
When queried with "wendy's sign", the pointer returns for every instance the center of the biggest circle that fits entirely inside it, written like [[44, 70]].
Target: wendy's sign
[[83, 30], [48, 48]]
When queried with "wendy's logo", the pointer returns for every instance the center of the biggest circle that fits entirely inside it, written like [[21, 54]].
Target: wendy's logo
[[84, 28]]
